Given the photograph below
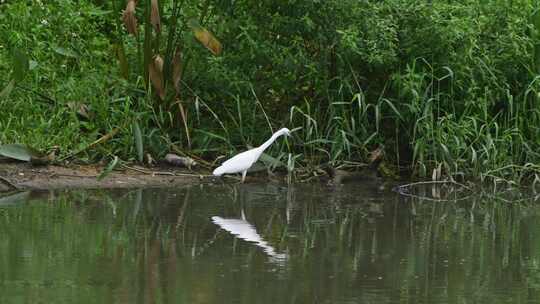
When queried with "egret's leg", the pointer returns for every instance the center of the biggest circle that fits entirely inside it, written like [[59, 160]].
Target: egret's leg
[[244, 176]]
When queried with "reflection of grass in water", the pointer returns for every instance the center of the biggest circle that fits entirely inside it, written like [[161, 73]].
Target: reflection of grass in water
[[76, 240], [144, 243], [469, 249]]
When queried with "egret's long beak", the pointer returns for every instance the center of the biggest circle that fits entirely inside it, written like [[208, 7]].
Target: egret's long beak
[[295, 129], [290, 134]]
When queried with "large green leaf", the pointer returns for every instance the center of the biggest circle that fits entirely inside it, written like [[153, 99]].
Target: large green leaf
[[19, 152], [137, 134]]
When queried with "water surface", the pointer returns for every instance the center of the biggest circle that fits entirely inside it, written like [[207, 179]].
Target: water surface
[[266, 244]]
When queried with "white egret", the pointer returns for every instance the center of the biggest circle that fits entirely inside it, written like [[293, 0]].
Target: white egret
[[243, 161]]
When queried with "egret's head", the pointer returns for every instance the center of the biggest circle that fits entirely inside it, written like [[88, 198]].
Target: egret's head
[[284, 131]]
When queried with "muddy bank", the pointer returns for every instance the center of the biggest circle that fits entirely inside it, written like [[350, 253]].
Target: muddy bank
[[25, 176], [15, 175]]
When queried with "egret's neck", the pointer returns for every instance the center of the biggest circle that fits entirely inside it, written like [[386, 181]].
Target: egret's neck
[[267, 143]]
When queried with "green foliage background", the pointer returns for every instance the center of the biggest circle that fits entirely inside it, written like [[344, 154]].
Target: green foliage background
[[442, 84]]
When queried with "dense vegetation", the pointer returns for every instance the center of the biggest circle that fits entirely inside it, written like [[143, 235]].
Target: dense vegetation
[[450, 86]]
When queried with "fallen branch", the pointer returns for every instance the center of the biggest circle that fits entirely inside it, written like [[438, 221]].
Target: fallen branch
[[200, 176], [149, 172], [100, 140]]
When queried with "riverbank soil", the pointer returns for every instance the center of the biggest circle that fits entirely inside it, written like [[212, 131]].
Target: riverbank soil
[[17, 175], [27, 176]]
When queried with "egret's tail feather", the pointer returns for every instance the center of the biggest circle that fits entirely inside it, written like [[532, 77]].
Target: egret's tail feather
[[218, 171]]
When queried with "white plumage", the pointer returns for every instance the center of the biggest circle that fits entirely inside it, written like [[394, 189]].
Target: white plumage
[[242, 162], [244, 230]]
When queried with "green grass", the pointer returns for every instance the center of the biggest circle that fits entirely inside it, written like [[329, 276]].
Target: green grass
[[442, 85]]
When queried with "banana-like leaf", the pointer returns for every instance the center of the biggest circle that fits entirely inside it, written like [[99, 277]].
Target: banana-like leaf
[[137, 135], [19, 152], [205, 37]]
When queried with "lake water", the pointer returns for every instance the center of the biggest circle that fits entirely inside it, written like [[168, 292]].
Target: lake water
[[266, 244]]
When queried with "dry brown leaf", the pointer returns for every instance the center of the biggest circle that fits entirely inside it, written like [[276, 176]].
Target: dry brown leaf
[[155, 71], [159, 62], [130, 20], [177, 70], [154, 15], [206, 38]]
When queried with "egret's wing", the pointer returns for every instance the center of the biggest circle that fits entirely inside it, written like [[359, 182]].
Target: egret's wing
[[240, 162]]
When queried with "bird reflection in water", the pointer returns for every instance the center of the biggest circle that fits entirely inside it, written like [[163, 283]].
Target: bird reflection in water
[[242, 229]]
